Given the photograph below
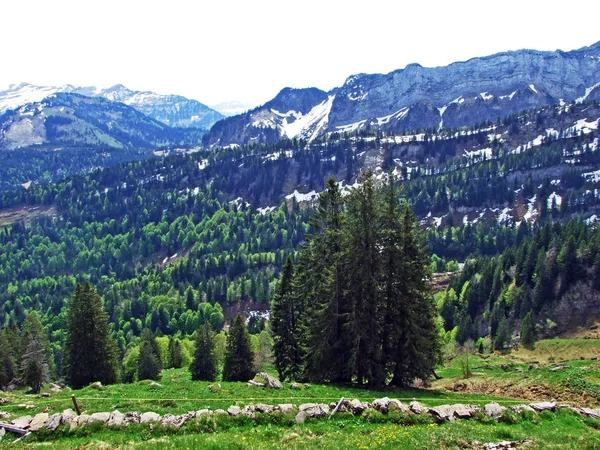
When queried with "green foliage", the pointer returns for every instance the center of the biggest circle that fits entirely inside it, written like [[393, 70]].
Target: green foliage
[[528, 330], [204, 366], [89, 352], [239, 358], [149, 363]]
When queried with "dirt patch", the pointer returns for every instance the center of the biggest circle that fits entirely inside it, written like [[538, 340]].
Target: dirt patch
[[25, 213]]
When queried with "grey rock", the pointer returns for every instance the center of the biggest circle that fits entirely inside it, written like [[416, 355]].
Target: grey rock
[[234, 410], [117, 419], [67, 416], [96, 385], [301, 417], [269, 381], [442, 413], [22, 422], [357, 407], [398, 406], [38, 422], [173, 420], [4, 415], [99, 417], [55, 388], [265, 409], [133, 417], [315, 409], [252, 383], [149, 417], [465, 411], [588, 412], [82, 419], [543, 406], [296, 386], [219, 412], [521, 408], [248, 410], [381, 404], [203, 412], [493, 409], [416, 407], [2, 433], [285, 408], [54, 421]]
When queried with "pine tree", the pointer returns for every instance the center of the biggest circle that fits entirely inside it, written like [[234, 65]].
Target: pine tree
[[89, 351], [239, 357], [204, 364], [528, 330], [502, 338], [286, 327]]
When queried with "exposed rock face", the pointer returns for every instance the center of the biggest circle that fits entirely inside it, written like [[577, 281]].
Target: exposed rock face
[[460, 94]]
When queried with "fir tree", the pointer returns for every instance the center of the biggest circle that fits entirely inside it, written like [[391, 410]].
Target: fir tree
[[502, 338], [286, 327], [149, 366], [528, 330], [32, 329], [7, 363], [239, 357], [204, 364], [89, 352]]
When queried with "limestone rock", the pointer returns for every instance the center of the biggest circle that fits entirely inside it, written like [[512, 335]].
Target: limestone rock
[[521, 408], [99, 417], [173, 421], [55, 388], [357, 407], [54, 421], [397, 405], [543, 406], [234, 410], [270, 382], [22, 422], [442, 412], [96, 385], [117, 419], [594, 413], [2, 433], [203, 412], [149, 417], [301, 417], [265, 409], [381, 404], [252, 383], [285, 408], [38, 422], [4, 415], [248, 410], [315, 409], [296, 386], [416, 407], [465, 411], [67, 416], [133, 417], [219, 412], [493, 409]]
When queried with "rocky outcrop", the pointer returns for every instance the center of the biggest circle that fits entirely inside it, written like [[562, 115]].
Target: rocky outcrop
[[460, 94]]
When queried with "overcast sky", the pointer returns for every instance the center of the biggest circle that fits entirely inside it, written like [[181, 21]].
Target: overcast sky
[[222, 50]]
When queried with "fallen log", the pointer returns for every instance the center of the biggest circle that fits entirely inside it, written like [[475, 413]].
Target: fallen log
[[12, 428]]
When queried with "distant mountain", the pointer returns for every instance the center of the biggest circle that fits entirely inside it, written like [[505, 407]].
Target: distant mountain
[[460, 94], [172, 110], [67, 119], [232, 108]]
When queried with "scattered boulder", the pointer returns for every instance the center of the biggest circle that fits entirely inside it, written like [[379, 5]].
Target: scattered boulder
[[4, 401], [416, 407], [45, 395], [493, 409], [253, 383], [24, 406], [285, 408], [219, 412], [4, 415], [214, 387], [301, 417], [248, 411], [203, 412], [381, 404], [269, 381], [2, 433], [296, 386], [54, 421], [38, 422], [593, 413], [521, 408], [97, 385], [234, 410], [173, 421], [149, 417], [543, 406], [117, 419], [22, 422], [154, 384], [55, 388]]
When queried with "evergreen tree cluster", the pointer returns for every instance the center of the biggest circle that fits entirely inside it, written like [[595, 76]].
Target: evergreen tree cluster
[[357, 306]]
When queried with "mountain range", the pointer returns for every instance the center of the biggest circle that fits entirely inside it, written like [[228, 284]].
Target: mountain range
[[173, 110], [460, 94]]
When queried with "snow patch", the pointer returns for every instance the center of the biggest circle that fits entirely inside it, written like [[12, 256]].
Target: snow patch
[[532, 87], [588, 91], [554, 197], [266, 209], [308, 197]]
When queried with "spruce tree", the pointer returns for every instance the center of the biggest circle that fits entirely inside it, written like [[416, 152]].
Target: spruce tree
[[174, 359], [34, 365], [502, 338], [32, 329], [239, 357], [7, 363], [286, 327], [89, 351], [528, 330], [204, 364], [149, 366]]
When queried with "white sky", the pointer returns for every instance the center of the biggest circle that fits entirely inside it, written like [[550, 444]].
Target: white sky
[[219, 50]]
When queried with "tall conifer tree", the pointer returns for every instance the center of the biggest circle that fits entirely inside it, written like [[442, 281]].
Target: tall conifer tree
[[239, 358], [204, 364], [89, 351]]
